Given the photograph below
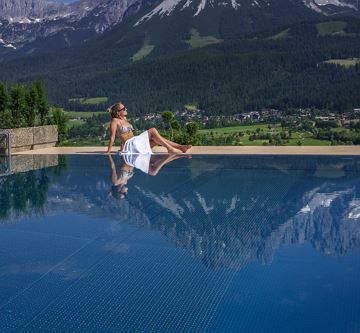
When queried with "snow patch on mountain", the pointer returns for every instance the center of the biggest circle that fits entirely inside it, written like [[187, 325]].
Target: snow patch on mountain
[[162, 9], [10, 46], [319, 199], [166, 7], [321, 5], [235, 5], [202, 201], [354, 206], [7, 45], [200, 7], [334, 3], [166, 201], [187, 4]]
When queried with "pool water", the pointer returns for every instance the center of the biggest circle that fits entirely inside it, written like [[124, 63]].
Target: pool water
[[205, 244]]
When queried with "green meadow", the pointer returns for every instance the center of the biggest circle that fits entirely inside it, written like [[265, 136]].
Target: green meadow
[[190, 107], [281, 35], [91, 101], [78, 118], [196, 40], [347, 63], [82, 114], [305, 138], [241, 128], [143, 52], [329, 28]]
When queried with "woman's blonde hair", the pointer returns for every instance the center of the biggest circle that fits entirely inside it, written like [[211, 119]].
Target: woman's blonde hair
[[113, 109]]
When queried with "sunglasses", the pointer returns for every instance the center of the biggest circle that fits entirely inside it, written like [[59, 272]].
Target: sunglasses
[[122, 109]]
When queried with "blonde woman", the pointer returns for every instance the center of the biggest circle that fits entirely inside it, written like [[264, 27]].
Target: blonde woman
[[140, 144]]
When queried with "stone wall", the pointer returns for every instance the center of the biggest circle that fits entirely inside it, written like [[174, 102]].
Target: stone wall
[[29, 138], [23, 163]]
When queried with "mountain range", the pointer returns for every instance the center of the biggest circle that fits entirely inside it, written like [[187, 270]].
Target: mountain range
[[223, 56], [38, 25], [29, 27]]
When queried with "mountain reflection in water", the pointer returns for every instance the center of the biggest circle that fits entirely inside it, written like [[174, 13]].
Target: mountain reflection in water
[[225, 211]]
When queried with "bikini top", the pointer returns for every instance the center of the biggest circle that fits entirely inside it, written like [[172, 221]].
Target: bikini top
[[124, 129], [124, 174]]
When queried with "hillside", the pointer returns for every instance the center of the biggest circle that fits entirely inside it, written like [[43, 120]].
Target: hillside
[[291, 66]]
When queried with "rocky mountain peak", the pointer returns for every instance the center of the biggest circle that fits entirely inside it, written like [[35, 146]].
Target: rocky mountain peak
[[25, 24], [17, 9], [26, 21]]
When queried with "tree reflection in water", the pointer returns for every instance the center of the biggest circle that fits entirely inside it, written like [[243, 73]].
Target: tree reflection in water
[[27, 192]]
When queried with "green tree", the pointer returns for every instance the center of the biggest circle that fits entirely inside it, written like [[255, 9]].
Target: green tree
[[17, 105], [31, 105], [192, 129], [175, 125], [42, 103], [167, 117], [59, 118], [5, 116], [4, 97]]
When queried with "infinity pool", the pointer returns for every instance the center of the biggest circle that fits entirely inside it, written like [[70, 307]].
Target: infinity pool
[[201, 244]]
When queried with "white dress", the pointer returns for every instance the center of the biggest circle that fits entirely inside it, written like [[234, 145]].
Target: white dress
[[139, 144], [137, 151], [138, 161]]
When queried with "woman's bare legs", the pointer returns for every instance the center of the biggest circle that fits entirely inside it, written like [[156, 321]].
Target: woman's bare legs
[[173, 144], [157, 162], [152, 143], [183, 148], [155, 136]]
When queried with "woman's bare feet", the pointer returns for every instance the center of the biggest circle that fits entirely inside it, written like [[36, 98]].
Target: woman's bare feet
[[174, 151], [185, 148], [173, 157]]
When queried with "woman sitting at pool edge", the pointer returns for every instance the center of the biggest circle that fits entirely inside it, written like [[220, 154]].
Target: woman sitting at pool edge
[[140, 144]]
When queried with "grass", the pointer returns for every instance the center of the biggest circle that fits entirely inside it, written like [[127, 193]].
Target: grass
[[190, 107], [82, 114], [197, 41], [241, 128], [78, 118], [347, 63], [329, 28], [75, 122], [281, 35], [314, 142], [305, 138], [84, 142], [143, 52], [92, 101]]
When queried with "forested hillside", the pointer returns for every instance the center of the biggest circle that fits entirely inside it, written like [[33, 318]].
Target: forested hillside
[[308, 64]]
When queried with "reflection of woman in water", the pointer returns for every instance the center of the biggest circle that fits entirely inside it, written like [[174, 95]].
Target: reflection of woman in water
[[140, 144], [119, 188], [154, 164]]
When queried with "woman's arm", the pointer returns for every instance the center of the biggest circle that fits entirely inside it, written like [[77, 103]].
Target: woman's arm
[[114, 176], [113, 128]]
